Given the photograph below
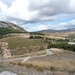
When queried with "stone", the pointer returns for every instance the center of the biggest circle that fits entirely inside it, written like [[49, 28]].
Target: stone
[[5, 51]]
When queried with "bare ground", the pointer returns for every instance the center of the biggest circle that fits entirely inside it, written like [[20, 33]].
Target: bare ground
[[20, 70], [65, 55], [29, 71]]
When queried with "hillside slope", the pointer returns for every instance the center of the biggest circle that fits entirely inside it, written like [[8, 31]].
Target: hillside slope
[[11, 26]]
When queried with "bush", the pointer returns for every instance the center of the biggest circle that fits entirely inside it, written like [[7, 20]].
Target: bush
[[28, 65], [31, 37], [36, 37], [39, 68], [36, 33], [42, 48], [52, 68], [61, 45]]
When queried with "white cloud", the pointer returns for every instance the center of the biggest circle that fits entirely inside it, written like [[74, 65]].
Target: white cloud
[[36, 10], [19, 9], [72, 22], [61, 26], [33, 11], [42, 27]]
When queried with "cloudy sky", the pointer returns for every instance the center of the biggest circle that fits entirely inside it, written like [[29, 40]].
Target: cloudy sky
[[34, 15]]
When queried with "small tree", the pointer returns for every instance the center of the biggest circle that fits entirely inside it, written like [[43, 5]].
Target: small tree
[[31, 37]]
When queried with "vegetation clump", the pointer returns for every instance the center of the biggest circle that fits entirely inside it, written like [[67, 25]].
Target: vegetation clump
[[64, 46], [36, 37], [4, 31]]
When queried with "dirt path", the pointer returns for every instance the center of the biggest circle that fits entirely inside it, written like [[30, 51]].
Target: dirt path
[[29, 71], [26, 58]]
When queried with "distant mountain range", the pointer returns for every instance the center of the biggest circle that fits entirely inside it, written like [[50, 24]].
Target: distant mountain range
[[11, 26], [51, 30]]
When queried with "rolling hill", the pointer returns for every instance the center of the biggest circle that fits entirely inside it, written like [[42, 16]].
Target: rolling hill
[[6, 28], [51, 30]]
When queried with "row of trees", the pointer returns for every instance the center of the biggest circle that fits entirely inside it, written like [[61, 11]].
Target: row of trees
[[4, 31], [64, 46], [58, 40], [36, 33], [36, 37]]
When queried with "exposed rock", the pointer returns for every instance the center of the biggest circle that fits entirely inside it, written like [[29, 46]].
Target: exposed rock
[[10, 26], [7, 73], [5, 51]]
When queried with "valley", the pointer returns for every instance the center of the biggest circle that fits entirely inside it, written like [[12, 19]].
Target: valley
[[36, 53]]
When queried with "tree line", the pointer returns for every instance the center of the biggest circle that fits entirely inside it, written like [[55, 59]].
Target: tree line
[[4, 31], [36, 37], [64, 46]]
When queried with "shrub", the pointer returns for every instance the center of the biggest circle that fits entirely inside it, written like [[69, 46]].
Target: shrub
[[52, 68], [42, 48], [64, 46], [39, 68], [28, 65]]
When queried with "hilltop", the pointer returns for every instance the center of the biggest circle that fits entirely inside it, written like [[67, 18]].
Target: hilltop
[[6, 27]]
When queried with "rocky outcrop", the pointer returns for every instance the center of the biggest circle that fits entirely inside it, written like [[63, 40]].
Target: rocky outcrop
[[5, 51], [10, 26]]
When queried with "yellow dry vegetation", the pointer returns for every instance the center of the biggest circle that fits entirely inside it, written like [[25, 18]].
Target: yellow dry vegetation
[[60, 65]]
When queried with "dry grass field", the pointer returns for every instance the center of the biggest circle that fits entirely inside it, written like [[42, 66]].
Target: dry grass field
[[63, 61], [42, 52], [20, 46], [59, 65]]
